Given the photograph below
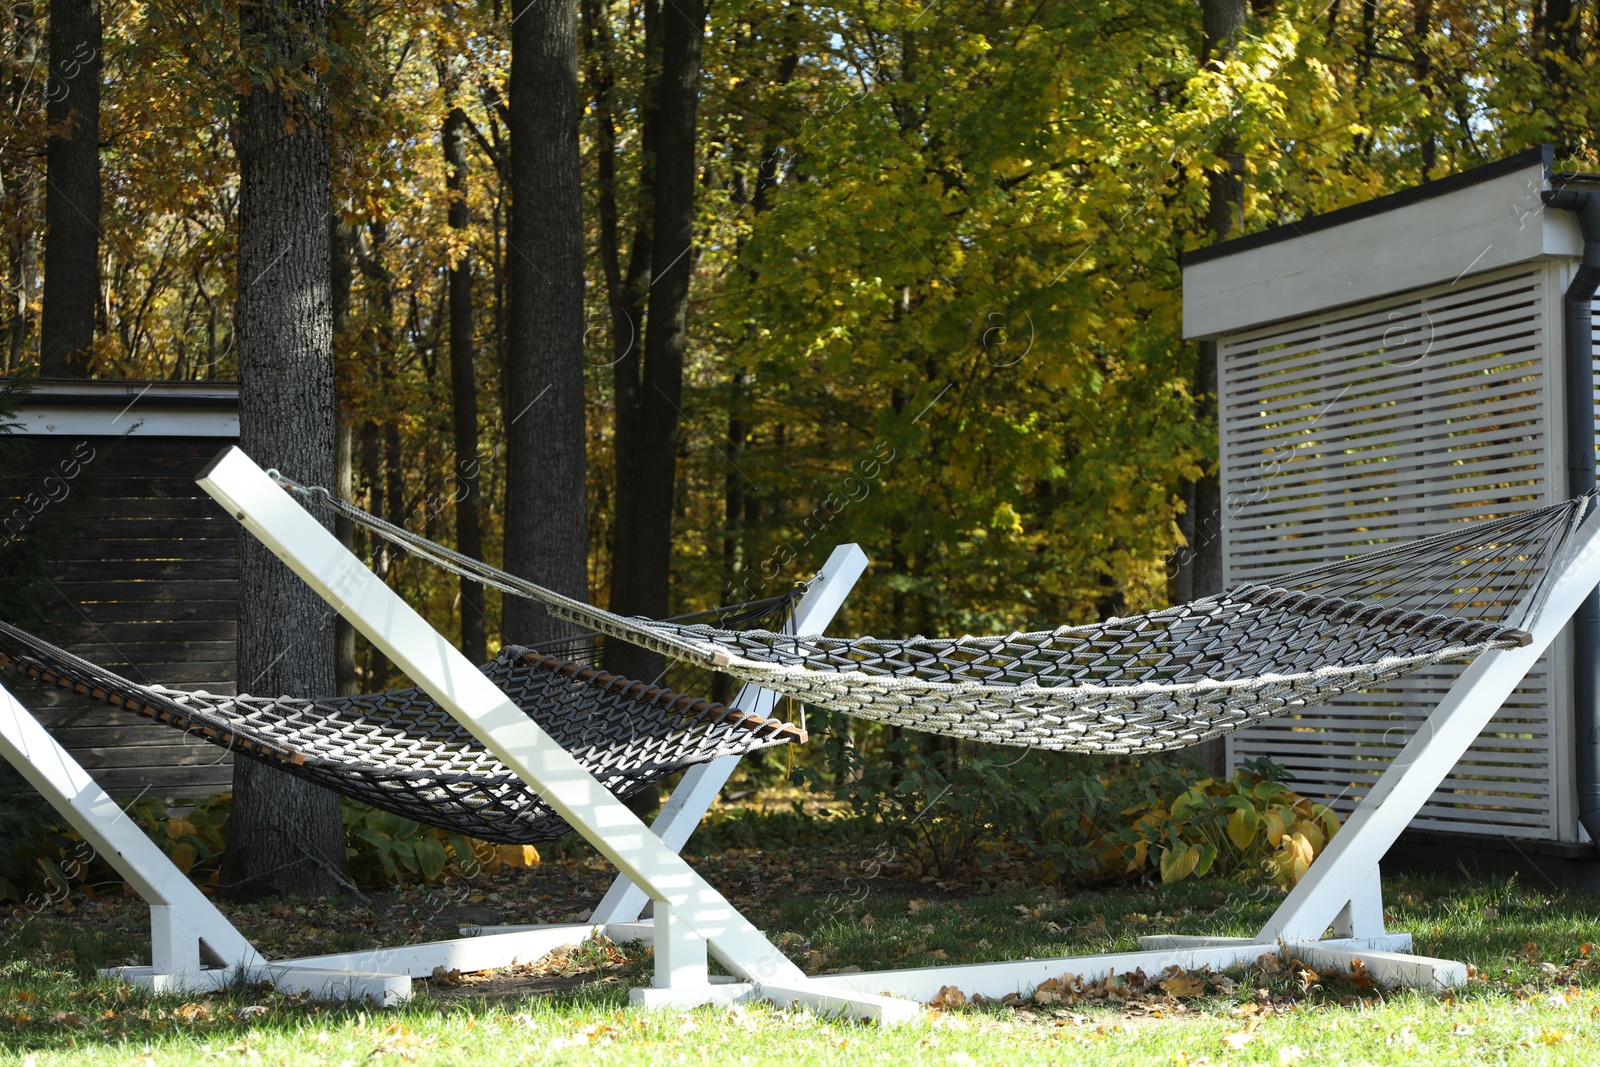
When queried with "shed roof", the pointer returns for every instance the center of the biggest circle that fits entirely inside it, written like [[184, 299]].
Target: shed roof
[[96, 407], [1481, 219]]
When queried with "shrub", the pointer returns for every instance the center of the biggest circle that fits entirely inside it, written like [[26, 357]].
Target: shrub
[[386, 849], [45, 859], [1083, 819]]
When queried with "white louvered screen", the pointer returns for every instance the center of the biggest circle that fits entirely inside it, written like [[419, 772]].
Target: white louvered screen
[[1384, 421]]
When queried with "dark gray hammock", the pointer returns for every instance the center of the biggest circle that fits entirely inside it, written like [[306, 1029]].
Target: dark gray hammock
[[402, 752]]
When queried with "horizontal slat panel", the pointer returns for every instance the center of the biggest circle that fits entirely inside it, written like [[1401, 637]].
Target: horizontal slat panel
[[153, 591], [1345, 432], [144, 566], [145, 612], [182, 783]]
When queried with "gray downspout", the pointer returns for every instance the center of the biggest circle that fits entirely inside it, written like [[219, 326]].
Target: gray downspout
[[1578, 363]]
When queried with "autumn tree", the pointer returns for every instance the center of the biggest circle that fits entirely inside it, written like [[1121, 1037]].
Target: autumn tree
[[285, 835], [649, 302], [464, 393], [546, 462]]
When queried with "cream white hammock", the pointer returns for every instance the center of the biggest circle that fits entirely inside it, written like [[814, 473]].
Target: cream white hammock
[[1146, 683]]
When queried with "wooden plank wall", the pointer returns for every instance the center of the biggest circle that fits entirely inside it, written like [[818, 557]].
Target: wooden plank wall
[[145, 582]]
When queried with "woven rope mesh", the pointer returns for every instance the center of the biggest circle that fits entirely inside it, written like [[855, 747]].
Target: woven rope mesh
[[402, 752], [1148, 683]]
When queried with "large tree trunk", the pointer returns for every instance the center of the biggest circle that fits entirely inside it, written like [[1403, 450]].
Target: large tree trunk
[[648, 408], [547, 507], [284, 835], [72, 190], [464, 394]]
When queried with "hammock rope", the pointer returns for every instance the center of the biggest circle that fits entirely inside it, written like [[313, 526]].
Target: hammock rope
[[403, 753], [1153, 682]]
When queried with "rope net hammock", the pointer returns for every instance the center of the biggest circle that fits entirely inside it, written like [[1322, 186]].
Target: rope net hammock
[[403, 753], [1147, 683]]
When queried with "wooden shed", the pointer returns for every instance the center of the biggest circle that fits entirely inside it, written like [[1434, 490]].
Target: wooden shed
[[141, 566], [1384, 371]]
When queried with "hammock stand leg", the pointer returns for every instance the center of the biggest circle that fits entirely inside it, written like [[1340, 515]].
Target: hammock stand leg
[[620, 910], [618, 915], [1323, 897], [434, 664]]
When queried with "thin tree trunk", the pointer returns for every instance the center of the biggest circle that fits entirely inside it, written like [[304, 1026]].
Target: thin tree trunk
[[20, 189], [464, 396], [1422, 73], [547, 508], [1558, 35], [341, 274], [741, 508], [1224, 21], [647, 454], [371, 462], [628, 291], [72, 191], [285, 835]]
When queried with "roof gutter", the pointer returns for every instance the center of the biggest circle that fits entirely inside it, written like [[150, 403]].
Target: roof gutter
[[1578, 365]]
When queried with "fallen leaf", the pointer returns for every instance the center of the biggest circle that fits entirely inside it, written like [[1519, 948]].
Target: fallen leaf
[[1237, 1040], [587, 1035], [948, 997], [1184, 985]]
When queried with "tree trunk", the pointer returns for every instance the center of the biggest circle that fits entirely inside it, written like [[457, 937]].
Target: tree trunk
[[647, 453], [341, 274], [19, 186], [1224, 21], [72, 191], [1558, 35], [464, 394], [547, 507], [284, 836]]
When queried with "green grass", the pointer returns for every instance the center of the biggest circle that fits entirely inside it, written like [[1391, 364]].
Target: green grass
[[1536, 997]]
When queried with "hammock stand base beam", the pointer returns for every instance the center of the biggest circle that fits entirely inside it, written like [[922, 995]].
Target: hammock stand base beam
[[1340, 891]]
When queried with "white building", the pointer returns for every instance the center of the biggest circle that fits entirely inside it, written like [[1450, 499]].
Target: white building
[[1385, 370]]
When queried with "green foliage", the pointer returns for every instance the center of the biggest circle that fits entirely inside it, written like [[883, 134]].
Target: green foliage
[[44, 858], [1082, 819], [193, 840], [386, 849]]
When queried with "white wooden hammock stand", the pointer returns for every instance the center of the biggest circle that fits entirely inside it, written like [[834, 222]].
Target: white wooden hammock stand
[[194, 947], [1340, 895]]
